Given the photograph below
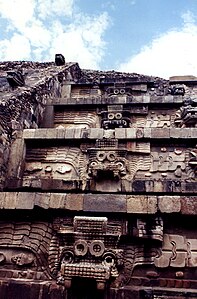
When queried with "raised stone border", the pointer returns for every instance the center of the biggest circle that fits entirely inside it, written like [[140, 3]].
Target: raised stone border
[[106, 203], [120, 133]]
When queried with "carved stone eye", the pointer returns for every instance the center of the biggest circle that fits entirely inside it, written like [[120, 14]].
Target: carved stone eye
[[68, 257], [116, 91], [111, 156], [80, 247], [124, 122], [109, 259], [122, 91], [101, 156], [93, 164], [118, 115], [120, 165], [97, 248], [111, 115]]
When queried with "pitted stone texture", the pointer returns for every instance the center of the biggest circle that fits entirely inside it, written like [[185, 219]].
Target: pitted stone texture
[[169, 204], [74, 202], [142, 204], [25, 200], [57, 201], [42, 200], [105, 203], [189, 205]]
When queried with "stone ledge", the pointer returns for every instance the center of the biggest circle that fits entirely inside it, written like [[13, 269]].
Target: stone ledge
[[145, 99], [137, 186], [106, 203], [120, 133]]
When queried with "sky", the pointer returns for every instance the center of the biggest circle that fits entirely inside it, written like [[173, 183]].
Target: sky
[[150, 37]]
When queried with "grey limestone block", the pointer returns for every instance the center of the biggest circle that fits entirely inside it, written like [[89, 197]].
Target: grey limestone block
[[96, 133], [160, 133], [78, 133], [29, 133], [74, 202], [10, 200], [40, 133], [25, 200], [120, 133], [57, 200], [69, 133], [105, 203], [42, 200], [131, 133], [189, 205], [169, 204], [141, 204]]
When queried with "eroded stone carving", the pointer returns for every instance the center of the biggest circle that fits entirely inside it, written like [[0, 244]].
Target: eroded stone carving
[[15, 78], [193, 160], [177, 89], [63, 163], [177, 251], [186, 116], [89, 250], [23, 250], [159, 120], [108, 156], [82, 119], [115, 118]]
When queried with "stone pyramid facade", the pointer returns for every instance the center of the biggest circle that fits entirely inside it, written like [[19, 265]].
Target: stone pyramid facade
[[98, 182]]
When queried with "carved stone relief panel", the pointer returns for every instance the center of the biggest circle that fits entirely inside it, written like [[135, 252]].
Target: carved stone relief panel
[[24, 250], [193, 161], [63, 163], [119, 116], [124, 116], [110, 250], [160, 118], [85, 91], [91, 247], [109, 163], [88, 249], [186, 116], [177, 251], [177, 89], [77, 119], [121, 88], [171, 162]]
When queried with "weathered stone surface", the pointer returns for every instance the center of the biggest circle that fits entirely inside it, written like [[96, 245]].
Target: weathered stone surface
[[74, 202], [96, 134], [57, 200], [42, 200], [10, 200], [160, 133], [2, 199], [169, 204], [99, 155], [16, 160], [25, 200], [189, 205], [183, 78], [120, 133], [105, 203], [28, 133], [141, 204], [131, 133]]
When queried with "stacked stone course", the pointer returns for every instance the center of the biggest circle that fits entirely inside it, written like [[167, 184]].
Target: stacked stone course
[[98, 183]]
